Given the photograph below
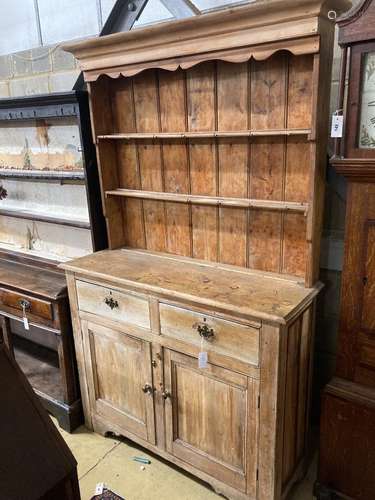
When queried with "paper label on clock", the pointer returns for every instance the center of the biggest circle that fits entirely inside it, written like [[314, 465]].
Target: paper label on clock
[[337, 126]]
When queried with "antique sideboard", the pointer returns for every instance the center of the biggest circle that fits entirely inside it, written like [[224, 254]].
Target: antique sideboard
[[194, 332]]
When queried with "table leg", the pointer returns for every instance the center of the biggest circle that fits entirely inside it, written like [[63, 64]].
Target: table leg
[[6, 334]]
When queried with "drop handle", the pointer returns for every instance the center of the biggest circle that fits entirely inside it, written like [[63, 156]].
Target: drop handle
[[147, 389], [204, 330], [111, 302], [25, 304]]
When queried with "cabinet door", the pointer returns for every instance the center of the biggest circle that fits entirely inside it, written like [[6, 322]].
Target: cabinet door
[[356, 355], [118, 369], [211, 420]]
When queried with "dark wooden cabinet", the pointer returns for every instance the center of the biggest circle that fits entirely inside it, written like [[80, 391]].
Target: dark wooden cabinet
[[35, 289], [35, 462], [356, 356], [46, 144], [347, 459], [52, 212]]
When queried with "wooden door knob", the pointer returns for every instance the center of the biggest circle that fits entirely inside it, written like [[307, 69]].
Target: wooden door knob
[[166, 394], [147, 389]]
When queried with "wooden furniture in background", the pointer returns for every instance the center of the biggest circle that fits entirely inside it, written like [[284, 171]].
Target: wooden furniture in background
[[46, 147], [45, 352], [46, 139], [35, 462], [347, 445], [211, 138]]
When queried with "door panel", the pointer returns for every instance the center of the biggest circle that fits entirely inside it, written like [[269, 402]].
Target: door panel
[[356, 353], [365, 368], [118, 367], [211, 419], [191, 407], [368, 309]]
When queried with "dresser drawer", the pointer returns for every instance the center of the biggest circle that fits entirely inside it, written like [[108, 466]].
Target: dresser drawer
[[229, 338], [113, 304], [33, 306]]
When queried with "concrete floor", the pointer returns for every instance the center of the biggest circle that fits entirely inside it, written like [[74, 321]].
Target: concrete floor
[[110, 461]]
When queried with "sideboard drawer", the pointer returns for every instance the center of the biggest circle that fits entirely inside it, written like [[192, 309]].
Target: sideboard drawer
[[113, 304], [33, 306], [229, 338]]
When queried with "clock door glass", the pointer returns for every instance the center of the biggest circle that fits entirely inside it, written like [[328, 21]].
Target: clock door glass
[[367, 121]]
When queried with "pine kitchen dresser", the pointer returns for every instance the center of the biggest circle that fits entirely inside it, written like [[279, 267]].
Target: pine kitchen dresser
[[211, 137]]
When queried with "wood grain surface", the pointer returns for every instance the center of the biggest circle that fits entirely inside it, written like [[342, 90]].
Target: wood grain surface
[[272, 171], [213, 186], [33, 279], [252, 294]]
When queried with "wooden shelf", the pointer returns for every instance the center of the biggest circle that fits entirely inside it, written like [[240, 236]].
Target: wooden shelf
[[41, 367], [211, 200], [47, 175], [203, 135], [36, 216]]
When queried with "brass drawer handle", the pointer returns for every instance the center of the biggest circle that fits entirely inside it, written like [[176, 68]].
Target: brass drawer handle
[[147, 389], [111, 302], [25, 304], [204, 330]]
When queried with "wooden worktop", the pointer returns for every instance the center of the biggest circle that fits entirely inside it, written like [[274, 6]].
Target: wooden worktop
[[31, 276], [260, 295]]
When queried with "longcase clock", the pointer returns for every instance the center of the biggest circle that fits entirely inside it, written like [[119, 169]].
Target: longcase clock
[[347, 459]]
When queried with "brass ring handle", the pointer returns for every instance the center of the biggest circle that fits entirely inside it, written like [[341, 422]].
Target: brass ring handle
[[166, 394], [204, 330], [111, 302], [25, 304], [147, 389]]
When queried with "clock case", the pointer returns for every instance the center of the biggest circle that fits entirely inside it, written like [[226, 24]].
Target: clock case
[[347, 442]]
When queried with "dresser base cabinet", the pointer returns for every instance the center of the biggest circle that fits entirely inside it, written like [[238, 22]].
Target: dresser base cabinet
[[239, 423]]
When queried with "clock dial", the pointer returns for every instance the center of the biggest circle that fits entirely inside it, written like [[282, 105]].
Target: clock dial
[[367, 122]]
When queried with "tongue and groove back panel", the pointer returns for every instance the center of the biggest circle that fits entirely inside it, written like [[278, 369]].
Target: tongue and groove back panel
[[273, 95], [212, 134]]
